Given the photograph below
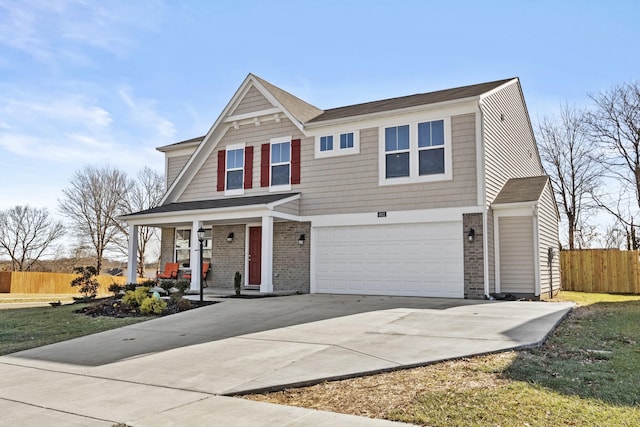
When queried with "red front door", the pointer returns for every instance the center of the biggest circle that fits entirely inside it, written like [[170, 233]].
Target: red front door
[[255, 255]]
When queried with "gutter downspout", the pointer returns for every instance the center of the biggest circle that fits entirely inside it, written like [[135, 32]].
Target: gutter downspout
[[485, 213]]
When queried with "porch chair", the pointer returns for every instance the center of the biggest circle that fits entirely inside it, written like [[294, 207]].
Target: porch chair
[[170, 271], [205, 273]]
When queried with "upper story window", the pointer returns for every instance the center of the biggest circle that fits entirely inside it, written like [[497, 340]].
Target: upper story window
[[280, 163], [396, 147], [326, 143], [235, 169], [337, 144], [415, 152]]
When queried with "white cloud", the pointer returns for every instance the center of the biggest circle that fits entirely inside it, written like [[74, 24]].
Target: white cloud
[[143, 113], [59, 29]]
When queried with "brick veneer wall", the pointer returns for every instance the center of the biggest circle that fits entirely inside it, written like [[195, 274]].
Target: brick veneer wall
[[291, 261], [473, 257], [228, 257], [167, 242]]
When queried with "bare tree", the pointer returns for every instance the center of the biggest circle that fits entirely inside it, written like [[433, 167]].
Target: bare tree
[[26, 233], [614, 126], [567, 157], [146, 192], [93, 200]]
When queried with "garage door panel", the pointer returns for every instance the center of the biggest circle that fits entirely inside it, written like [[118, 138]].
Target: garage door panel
[[399, 259]]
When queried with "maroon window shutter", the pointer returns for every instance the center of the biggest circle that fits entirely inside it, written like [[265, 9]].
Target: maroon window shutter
[[295, 161], [264, 165], [221, 169], [248, 167]]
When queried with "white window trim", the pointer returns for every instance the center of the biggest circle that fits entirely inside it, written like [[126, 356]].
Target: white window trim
[[414, 176], [280, 140], [337, 151], [236, 191], [175, 237]]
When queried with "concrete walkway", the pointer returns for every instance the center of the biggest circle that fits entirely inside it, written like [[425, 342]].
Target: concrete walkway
[[176, 370]]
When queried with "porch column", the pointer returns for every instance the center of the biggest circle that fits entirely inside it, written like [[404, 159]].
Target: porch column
[[266, 269], [132, 255], [194, 258]]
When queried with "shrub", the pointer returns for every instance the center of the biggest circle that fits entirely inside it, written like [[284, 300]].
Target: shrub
[[151, 305], [130, 287], [167, 285], [182, 286], [150, 283], [237, 282], [86, 282], [115, 289], [180, 304], [136, 297]]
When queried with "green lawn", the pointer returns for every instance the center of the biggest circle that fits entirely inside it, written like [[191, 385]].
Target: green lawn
[[24, 328]]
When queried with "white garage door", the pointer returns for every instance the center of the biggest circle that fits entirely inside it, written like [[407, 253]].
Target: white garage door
[[400, 259]]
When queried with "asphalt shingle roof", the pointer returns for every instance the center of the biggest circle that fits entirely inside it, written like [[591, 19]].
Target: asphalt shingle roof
[[518, 190]]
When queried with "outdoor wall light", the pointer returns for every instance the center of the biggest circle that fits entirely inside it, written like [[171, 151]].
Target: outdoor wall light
[[201, 232], [230, 237], [301, 239], [472, 235]]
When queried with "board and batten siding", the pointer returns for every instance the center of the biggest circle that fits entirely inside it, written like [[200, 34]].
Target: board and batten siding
[[350, 183], [548, 238], [509, 145], [174, 166], [252, 101], [517, 263]]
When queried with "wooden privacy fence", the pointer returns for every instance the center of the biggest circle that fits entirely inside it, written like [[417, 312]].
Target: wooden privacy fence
[[23, 282], [601, 270]]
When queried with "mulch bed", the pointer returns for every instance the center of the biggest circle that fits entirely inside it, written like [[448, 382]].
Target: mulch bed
[[114, 307]]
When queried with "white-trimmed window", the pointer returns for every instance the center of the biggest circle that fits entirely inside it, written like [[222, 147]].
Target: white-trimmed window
[[326, 143], [182, 247], [235, 170], [415, 152], [280, 169], [337, 144]]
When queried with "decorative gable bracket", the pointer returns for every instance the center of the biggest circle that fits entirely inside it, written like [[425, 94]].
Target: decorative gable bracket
[[256, 118]]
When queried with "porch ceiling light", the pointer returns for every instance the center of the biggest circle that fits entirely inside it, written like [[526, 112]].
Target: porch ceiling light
[[472, 235], [230, 237], [301, 239]]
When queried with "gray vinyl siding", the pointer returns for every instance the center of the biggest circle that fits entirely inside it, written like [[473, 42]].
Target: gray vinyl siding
[[174, 166], [548, 238], [253, 101], [509, 145], [350, 184], [291, 208], [517, 269]]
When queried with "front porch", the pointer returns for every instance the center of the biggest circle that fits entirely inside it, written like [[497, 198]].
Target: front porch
[[268, 247]]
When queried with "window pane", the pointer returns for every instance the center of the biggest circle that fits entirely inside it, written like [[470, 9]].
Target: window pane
[[280, 175], [346, 140], [424, 134], [235, 158], [234, 179], [183, 238], [437, 132], [275, 153], [182, 256], [326, 143], [390, 139], [397, 165], [403, 137], [431, 161]]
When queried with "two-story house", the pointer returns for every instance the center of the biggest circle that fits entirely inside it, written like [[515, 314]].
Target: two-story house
[[438, 194]]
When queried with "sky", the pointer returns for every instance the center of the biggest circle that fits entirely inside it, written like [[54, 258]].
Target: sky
[[86, 82]]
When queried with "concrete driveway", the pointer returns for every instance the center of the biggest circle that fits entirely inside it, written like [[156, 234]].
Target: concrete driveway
[[175, 370]]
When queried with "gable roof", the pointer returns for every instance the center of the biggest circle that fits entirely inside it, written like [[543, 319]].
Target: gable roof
[[298, 108], [409, 101], [518, 190], [179, 144]]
